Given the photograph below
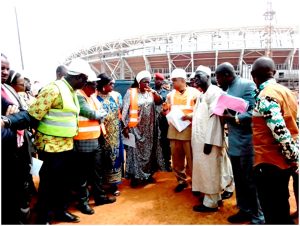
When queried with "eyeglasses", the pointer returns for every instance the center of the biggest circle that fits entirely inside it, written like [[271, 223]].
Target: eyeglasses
[[20, 84]]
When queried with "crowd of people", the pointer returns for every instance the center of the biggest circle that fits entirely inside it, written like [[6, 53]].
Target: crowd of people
[[77, 124]]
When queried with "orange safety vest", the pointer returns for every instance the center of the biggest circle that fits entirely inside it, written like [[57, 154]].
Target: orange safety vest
[[184, 101], [133, 111], [89, 129]]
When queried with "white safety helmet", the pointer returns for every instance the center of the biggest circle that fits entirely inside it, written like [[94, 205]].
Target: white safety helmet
[[79, 66]]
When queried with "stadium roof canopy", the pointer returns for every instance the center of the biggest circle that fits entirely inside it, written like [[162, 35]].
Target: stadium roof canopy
[[123, 59]]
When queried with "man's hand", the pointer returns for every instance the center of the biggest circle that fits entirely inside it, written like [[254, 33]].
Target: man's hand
[[2, 124], [207, 149], [187, 117], [12, 109], [228, 117]]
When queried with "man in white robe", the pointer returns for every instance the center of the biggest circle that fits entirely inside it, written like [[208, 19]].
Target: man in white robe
[[212, 171]]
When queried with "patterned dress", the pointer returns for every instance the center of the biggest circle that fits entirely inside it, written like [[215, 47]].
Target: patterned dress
[[111, 143], [146, 158]]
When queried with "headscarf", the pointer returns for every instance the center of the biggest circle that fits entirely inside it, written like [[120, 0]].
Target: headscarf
[[143, 74]]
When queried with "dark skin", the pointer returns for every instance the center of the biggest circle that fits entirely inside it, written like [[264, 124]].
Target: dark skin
[[76, 81], [203, 81], [89, 88], [19, 86], [144, 86], [4, 69], [107, 88], [263, 69], [225, 75], [158, 83], [27, 85]]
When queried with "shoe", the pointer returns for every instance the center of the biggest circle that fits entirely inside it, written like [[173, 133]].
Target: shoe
[[169, 169], [134, 183], [67, 217], [240, 217], [105, 200], [151, 180], [196, 193], [226, 195], [85, 208], [117, 193], [202, 208], [180, 187]]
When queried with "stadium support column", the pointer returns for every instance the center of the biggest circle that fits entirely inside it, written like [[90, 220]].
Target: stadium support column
[[122, 71], [216, 59], [147, 64], [241, 61], [169, 62]]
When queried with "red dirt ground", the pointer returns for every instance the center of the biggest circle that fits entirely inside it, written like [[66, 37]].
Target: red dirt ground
[[158, 204]]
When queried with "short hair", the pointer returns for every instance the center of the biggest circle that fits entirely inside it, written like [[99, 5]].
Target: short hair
[[13, 77], [225, 69]]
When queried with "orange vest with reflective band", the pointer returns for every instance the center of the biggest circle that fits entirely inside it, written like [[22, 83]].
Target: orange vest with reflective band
[[133, 111], [184, 101], [88, 129]]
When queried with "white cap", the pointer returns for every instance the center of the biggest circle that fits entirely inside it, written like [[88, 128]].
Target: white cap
[[143, 74], [80, 66], [204, 69], [178, 73]]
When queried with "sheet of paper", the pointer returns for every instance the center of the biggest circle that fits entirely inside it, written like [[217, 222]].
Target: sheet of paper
[[174, 117], [129, 141], [36, 166], [226, 101]]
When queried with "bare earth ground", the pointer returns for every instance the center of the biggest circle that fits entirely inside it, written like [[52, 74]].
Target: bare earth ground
[[158, 204]]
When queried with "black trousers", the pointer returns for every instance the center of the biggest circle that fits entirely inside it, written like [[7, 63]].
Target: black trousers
[[84, 162], [164, 141], [273, 191], [98, 175], [55, 180]]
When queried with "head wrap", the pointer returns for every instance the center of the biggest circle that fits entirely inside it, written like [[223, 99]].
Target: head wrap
[[141, 75]]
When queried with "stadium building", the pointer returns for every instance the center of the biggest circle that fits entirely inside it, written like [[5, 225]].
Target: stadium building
[[123, 59]]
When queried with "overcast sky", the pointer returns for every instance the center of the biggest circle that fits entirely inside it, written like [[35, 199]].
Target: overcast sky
[[51, 30]]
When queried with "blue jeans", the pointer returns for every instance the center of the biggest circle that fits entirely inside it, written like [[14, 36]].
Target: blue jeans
[[246, 193]]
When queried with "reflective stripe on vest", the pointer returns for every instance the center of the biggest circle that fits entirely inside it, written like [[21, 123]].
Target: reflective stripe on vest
[[88, 129], [133, 112], [187, 106], [62, 122]]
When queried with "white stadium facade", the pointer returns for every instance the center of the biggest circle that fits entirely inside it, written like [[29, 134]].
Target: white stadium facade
[[123, 59]]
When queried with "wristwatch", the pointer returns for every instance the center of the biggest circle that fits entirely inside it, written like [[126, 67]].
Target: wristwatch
[[237, 120], [6, 121]]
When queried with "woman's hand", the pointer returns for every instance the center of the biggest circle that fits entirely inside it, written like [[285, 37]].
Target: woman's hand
[[126, 132]]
